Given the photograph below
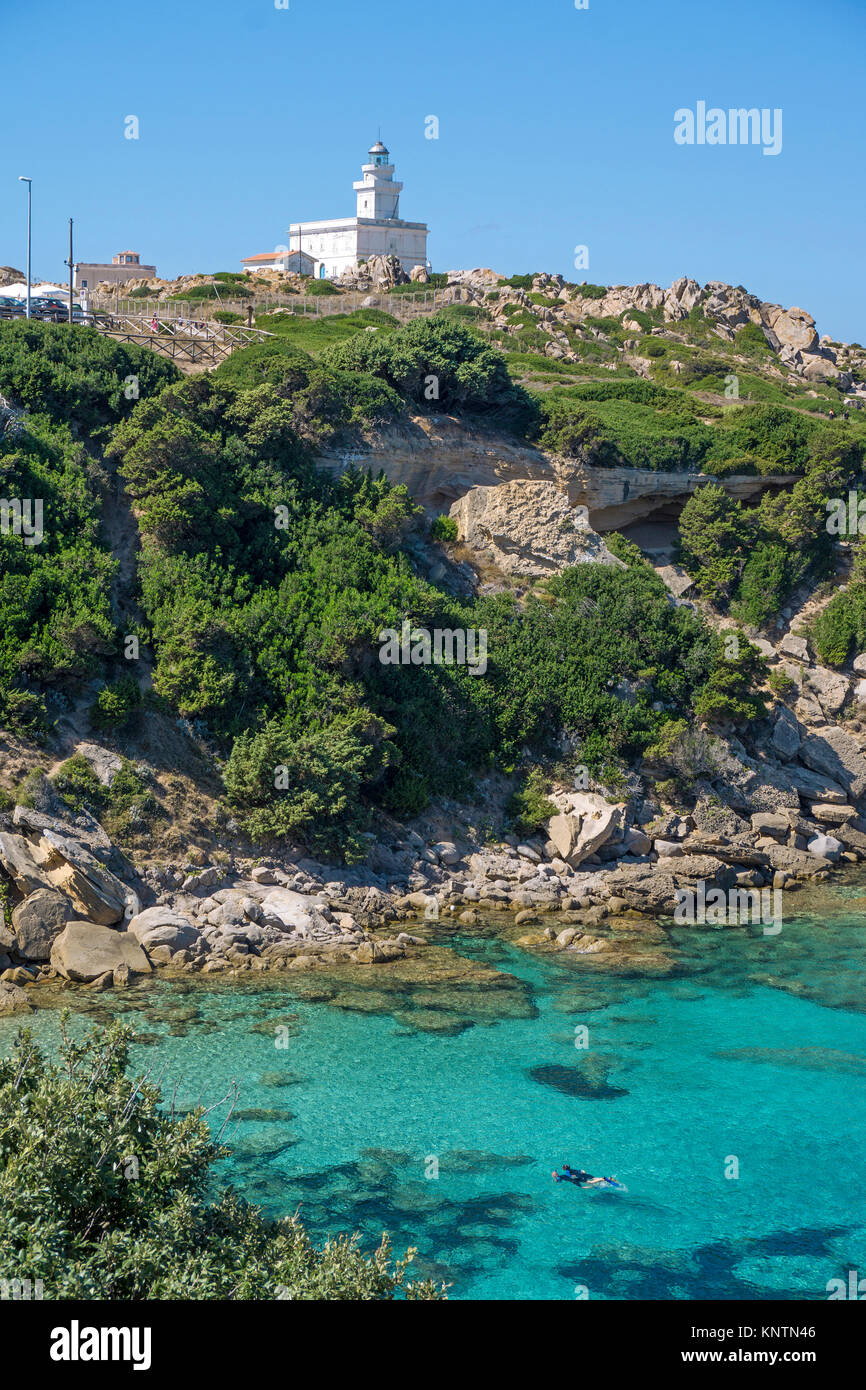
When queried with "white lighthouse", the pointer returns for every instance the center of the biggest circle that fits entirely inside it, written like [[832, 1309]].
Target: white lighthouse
[[377, 229]]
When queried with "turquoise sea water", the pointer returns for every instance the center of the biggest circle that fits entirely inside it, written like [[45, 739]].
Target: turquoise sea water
[[754, 1052]]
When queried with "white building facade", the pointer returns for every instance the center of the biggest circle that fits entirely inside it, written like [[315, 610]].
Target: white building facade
[[376, 229]]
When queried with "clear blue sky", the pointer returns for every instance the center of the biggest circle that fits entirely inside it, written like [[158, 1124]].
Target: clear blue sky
[[556, 129]]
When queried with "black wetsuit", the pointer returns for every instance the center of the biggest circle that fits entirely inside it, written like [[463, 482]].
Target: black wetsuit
[[577, 1176]]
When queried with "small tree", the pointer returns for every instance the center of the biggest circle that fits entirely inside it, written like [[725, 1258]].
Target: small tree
[[114, 705], [713, 541]]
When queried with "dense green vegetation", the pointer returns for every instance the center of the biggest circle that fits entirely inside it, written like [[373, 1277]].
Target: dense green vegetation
[[197, 293], [640, 424], [106, 1194], [313, 333], [266, 585], [83, 379], [753, 557], [439, 364], [435, 281], [841, 626], [56, 623]]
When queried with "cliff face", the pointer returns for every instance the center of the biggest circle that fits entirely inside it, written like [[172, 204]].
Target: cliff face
[[515, 499]]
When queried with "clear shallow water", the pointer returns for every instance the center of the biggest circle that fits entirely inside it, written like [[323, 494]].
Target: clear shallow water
[[681, 1074]]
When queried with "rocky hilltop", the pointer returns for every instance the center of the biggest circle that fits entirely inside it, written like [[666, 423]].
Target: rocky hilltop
[[790, 334]]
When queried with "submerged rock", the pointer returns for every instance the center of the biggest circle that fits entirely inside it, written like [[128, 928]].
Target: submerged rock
[[13, 999], [809, 1058], [588, 1082]]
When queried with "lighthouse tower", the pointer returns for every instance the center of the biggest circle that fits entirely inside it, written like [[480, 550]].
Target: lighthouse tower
[[336, 245], [378, 194]]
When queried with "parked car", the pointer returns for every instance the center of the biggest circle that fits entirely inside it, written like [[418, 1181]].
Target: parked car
[[12, 308], [50, 309]]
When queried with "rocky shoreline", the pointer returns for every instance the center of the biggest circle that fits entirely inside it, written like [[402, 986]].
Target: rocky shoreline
[[790, 809]]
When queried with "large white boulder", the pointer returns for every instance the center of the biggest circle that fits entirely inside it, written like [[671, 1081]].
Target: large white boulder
[[825, 846], [84, 951], [587, 823], [159, 926], [296, 911]]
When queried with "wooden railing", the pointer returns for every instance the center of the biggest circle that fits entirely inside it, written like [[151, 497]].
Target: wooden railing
[[183, 342]]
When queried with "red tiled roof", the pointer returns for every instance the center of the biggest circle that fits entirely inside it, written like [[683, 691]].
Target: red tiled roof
[[275, 255]]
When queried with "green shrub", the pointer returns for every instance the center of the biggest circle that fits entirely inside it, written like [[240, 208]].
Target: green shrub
[[575, 430], [198, 293], [308, 788], [688, 753], [78, 377], [529, 807], [730, 693], [519, 282], [834, 629], [781, 684], [435, 281], [115, 704], [321, 287], [78, 785], [651, 347], [444, 528], [750, 339], [24, 712], [438, 364], [640, 316], [713, 541]]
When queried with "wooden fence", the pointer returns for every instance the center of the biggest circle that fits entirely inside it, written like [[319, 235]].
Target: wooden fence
[[400, 306]]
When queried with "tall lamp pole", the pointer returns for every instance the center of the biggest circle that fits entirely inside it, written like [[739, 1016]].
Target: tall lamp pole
[[70, 264], [29, 183]]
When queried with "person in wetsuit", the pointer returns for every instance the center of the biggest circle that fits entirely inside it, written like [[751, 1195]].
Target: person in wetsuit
[[569, 1174]]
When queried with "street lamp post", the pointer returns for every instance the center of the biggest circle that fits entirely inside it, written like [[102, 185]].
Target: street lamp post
[[71, 265], [29, 183]]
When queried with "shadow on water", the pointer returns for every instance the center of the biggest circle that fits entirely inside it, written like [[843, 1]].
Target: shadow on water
[[381, 1191], [717, 1270]]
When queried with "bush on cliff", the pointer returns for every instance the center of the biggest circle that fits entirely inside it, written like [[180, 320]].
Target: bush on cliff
[[754, 557], [438, 364], [75, 374]]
